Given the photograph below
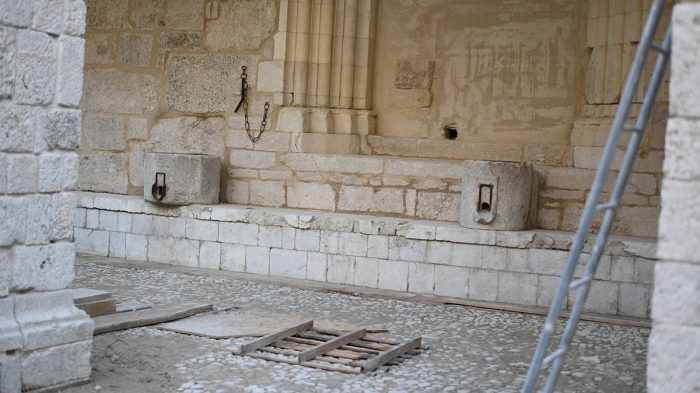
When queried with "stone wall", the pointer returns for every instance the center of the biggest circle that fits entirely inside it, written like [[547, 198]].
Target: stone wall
[[164, 76], [45, 341], [417, 256], [674, 345]]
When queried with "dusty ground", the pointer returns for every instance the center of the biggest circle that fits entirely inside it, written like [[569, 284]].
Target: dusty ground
[[470, 350]]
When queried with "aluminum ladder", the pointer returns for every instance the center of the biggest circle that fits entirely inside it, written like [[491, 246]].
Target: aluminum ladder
[[593, 206]]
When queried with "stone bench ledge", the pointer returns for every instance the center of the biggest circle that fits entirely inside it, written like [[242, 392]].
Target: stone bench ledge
[[366, 224]]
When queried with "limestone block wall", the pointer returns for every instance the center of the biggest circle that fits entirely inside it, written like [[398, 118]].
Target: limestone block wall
[[164, 76], [416, 256], [45, 341], [519, 81], [674, 345]]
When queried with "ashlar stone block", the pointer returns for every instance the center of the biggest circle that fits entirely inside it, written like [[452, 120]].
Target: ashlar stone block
[[35, 68], [181, 179], [136, 50], [233, 257], [111, 90], [288, 263], [205, 83], [226, 33], [105, 172], [105, 132], [70, 76], [495, 195]]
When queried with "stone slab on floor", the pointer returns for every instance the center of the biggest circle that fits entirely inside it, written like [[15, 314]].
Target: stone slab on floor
[[246, 323], [470, 350]]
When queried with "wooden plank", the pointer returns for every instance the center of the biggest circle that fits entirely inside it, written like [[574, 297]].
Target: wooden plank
[[306, 341], [369, 345], [151, 316], [346, 370], [331, 344], [386, 356], [98, 308], [270, 338], [611, 319]]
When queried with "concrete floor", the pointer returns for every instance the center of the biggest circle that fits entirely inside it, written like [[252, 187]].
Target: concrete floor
[[470, 350]]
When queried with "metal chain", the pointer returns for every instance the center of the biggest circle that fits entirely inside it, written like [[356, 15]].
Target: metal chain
[[244, 102]]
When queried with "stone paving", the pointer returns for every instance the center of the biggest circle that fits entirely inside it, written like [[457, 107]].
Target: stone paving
[[470, 350]]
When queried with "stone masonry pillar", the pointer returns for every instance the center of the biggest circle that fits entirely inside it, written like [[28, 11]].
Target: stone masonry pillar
[[674, 345], [45, 341]]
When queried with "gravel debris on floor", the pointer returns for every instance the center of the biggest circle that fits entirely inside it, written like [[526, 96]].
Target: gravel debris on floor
[[469, 349]]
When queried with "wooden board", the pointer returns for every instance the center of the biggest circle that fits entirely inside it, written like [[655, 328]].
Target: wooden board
[[97, 308], [151, 316]]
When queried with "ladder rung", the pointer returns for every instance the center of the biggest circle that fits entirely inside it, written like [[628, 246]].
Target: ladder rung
[[606, 206], [553, 356], [659, 49], [632, 128], [581, 281]]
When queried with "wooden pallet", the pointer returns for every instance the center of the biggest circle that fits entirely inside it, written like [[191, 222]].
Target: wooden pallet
[[347, 352]]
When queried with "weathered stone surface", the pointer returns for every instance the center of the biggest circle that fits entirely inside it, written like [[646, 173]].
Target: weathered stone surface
[[100, 48], [673, 356], [22, 174], [136, 50], [311, 196], [685, 61], [8, 39], [13, 213], [20, 124], [413, 74], [187, 135], [103, 172], [176, 40], [43, 267], [252, 159], [104, 132], [267, 192], [437, 206], [137, 128], [35, 68], [48, 16], [16, 13], [682, 140], [362, 199], [62, 129], [495, 195], [70, 362], [226, 33], [271, 76], [70, 75], [189, 178], [110, 90], [136, 165], [107, 14], [74, 15], [205, 83], [49, 319], [38, 219]]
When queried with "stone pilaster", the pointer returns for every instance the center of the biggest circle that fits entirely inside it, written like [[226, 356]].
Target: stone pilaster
[[674, 345], [45, 340], [323, 69]]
